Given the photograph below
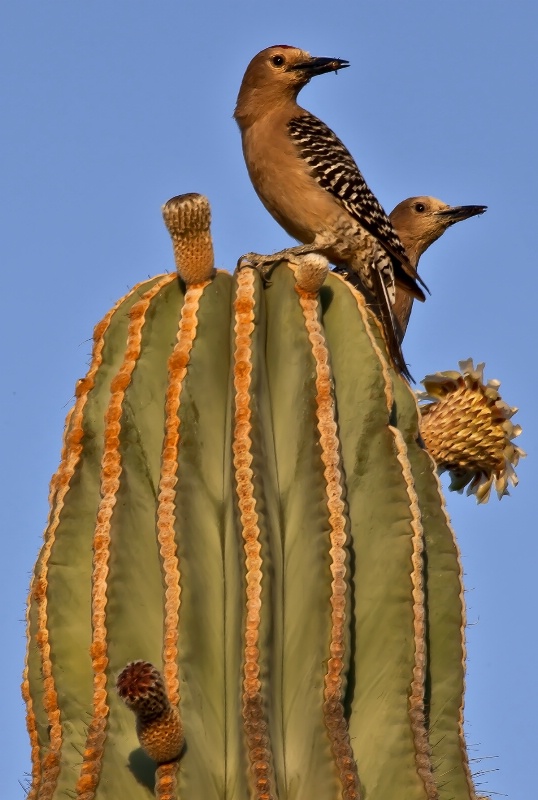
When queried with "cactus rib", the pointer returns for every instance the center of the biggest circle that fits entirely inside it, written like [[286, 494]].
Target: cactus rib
[[333, 709], [243, 500], [254, 714], [110, 477], [45, 770]]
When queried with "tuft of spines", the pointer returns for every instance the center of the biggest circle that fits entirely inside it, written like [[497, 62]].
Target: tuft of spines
[[311, 272], [158, 725], [254, 712]]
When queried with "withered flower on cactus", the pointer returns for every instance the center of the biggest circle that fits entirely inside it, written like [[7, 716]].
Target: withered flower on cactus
[[466, 428], [158, 725]]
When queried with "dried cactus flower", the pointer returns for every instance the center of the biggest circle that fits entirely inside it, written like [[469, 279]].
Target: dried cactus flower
[[466, 428], [158, 726]]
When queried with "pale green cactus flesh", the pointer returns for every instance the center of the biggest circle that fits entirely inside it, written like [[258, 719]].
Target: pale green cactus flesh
[[243, 502]]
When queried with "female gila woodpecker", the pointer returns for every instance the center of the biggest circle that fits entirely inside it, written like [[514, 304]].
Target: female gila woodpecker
[[419, 222], [309, 182]]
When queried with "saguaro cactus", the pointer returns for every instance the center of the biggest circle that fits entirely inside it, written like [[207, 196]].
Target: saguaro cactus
[[244, 503]]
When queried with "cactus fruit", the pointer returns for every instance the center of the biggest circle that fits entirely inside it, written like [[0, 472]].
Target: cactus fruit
[[244, 502]]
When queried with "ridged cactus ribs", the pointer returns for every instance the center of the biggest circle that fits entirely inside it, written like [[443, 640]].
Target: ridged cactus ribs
[[310, 272], [166, 781], [188, 219], [254, 712], [110, 480], [243, 461], [417, 712], [333, 709], [177, 368], [45, 773], [33, 736], [447, 621], [376, 336]]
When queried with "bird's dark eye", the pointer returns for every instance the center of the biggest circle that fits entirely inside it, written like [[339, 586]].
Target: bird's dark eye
[[277, 60], [420, 207]]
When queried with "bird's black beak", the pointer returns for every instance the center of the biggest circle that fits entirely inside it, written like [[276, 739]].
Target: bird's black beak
[[318, 66], [458, 213]]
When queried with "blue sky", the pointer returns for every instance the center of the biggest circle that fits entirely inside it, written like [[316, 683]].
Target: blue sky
[[110, 108]]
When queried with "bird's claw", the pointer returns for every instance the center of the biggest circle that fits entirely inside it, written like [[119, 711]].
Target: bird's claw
[[243, 262], [262, 264]]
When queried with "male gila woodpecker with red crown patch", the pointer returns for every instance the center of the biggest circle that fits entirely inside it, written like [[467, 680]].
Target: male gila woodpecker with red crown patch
[[309, 182]]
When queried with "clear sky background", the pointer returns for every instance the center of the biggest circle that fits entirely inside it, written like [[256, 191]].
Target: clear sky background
[[110, 108]]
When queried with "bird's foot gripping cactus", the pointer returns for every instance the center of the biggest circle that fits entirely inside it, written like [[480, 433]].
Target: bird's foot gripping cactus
[[242, 501]]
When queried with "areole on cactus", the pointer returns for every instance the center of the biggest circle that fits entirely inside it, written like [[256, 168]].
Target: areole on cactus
[[247, 535]]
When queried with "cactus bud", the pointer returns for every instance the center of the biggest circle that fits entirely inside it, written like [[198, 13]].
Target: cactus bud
[[188, 219], [158, 725]]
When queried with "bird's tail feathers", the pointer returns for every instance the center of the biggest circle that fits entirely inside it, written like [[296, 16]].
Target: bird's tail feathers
[[377, 296], [405, 273], [408, 283], [391, 327]]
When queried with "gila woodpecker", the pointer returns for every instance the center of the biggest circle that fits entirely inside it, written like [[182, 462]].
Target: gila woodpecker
[[309, 182], [419, 222]]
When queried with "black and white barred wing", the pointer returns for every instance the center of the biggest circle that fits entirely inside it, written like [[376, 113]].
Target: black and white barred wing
[[334, 168]]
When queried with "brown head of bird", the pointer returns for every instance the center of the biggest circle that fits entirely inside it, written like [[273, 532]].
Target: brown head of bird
[[275, 76], [420, 221]]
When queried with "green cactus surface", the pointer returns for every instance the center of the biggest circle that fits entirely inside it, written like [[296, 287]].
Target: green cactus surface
[[242, 501]]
